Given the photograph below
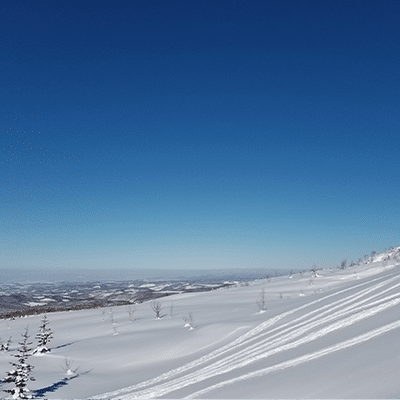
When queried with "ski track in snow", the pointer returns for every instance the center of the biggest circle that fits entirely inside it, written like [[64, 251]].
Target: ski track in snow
[[265, 340]]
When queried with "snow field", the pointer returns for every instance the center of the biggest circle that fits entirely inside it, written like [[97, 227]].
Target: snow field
[[323, 338]]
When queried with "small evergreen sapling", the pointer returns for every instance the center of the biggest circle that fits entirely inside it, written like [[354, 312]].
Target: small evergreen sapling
[[5, 346], [19, 375], [43, 336]]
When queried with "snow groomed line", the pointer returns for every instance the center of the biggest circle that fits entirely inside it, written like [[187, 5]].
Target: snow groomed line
[[303, 359], [265, 348], [236, 362], [249, 336], [357, 307]]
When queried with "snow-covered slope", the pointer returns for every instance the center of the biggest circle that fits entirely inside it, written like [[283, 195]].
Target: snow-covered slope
[[334, 333]]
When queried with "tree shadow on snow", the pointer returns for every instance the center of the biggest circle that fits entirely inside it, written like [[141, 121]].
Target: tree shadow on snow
[[63, 382], [62, 345]]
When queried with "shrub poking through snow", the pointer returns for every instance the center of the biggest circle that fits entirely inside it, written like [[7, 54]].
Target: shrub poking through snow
[[189, 321], [262, 303], [43, 336], [314, 271], [19, 375], [156, 307], [68, 367], [113, 322], [131, 311]]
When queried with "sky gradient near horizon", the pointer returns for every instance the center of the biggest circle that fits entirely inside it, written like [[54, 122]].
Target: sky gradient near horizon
[[198, 134]]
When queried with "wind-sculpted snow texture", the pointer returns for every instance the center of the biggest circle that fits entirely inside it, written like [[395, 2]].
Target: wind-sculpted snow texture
[[254, 354]]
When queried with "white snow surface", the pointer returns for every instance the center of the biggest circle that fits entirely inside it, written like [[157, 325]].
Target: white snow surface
[[333, 336]]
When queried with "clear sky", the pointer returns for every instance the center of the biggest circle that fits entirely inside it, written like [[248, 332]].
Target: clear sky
[[204, 134]]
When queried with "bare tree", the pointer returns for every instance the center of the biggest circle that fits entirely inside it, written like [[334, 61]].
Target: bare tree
[[113, 322], [156, 307], [314, 272], [189, 321], [68, 367], [262, 303], [131, 311], [343, 264]]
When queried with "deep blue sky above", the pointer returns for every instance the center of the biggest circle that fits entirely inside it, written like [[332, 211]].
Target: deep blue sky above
[[198, 134]]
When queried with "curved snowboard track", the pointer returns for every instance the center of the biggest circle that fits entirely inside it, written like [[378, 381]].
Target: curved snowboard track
[[328, 314]]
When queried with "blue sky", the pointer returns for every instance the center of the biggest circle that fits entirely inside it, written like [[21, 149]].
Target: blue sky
[[198, 134]]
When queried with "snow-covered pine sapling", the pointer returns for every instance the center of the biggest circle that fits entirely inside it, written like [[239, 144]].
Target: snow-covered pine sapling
[[262, 303], [43, 336], [68, 367], [189, 321], [9, 341], [131, 311], [19, 376], [156, 307], [5, 346]]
